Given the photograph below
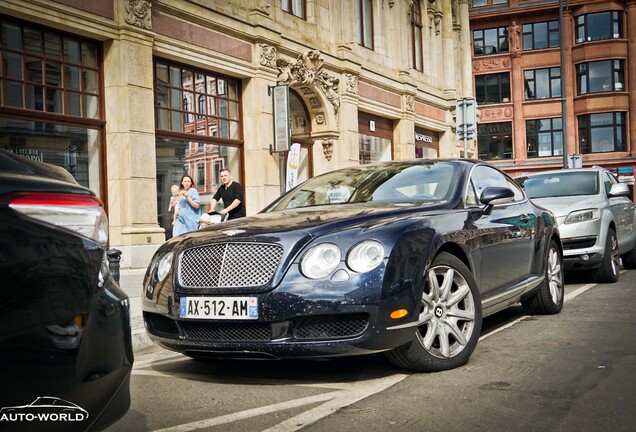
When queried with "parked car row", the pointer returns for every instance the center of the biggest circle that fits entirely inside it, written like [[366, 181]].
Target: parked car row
[[403, 258]]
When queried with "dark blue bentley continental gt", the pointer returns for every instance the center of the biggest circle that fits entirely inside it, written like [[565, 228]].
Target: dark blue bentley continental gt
[[401, 257]]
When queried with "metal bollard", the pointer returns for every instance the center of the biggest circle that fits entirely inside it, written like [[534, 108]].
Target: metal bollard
[[114, 256]]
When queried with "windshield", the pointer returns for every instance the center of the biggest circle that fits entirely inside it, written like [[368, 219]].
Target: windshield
[[568, 183], [402, 184]]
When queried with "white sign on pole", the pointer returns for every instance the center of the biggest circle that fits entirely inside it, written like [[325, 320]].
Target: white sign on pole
[[466, 119], [293, 162], [282, 130]]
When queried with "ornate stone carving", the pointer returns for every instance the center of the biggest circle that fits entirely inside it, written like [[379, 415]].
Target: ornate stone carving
[[492, 64], [409, 102], [138, 13], [268, 55], [320, 118], [437, 18], [496, 113], [352, 83], [327, 148], [306, 70], [514, 36]]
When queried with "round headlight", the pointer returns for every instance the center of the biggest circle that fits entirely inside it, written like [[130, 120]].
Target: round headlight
[[164, 265], [320, 260], [365, 256]]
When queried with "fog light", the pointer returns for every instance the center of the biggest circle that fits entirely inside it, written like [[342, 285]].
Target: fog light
[[399, 313], [585, 257]]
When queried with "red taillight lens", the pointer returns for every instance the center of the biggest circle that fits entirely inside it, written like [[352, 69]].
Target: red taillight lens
[[83, 214]]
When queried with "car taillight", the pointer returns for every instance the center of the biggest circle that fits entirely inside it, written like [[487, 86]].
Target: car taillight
[[83, 214]]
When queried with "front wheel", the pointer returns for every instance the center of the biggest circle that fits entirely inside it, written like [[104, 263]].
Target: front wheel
[[549, 297], [609, 268], [449, 323]]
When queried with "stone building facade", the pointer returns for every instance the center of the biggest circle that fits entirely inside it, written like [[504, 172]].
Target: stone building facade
[[129, 95]]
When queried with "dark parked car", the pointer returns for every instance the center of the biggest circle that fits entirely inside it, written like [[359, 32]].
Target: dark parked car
[[64, 322], [401, 257]]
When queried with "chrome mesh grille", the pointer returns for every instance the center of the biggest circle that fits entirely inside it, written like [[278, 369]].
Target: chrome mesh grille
[[229, 265]]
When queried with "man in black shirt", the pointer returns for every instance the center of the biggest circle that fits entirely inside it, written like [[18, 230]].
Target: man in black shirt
[[231, 193]]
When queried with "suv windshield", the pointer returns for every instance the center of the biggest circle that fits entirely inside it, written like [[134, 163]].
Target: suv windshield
[[395, 183], [560, 184]]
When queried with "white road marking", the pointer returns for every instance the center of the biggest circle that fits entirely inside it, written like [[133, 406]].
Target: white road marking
[[347, 394], [333, 401]]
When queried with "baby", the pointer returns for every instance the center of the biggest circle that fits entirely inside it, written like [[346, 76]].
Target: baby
[[174, 201]]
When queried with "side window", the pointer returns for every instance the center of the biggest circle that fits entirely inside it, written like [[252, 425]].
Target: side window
[[608, 180], [484, 176]]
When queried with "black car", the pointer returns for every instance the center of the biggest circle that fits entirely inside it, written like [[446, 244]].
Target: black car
[[64, 322], [401, 257]]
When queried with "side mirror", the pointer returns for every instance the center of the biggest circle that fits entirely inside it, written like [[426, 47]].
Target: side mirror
[[619, 189], [492, 196]]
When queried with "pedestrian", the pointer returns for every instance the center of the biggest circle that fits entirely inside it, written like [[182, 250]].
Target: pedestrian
[[189, 208], [231, 193], [174, 202]]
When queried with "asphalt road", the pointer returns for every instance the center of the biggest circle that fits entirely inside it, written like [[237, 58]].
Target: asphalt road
[[575, 371]]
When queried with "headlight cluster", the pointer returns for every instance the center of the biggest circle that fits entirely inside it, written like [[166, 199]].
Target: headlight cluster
[[322, 259], [582, 216], [164, 265]]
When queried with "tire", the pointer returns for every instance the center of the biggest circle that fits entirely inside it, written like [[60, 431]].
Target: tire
[[607, 272], [629, 259], [549, 298], [450, 319]]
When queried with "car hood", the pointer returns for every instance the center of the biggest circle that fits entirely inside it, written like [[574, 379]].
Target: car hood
[[293, 225], [562, 206]]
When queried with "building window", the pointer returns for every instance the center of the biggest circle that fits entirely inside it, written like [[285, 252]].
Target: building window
[[544, 137], [364, 18], [295, 7], [50, 99], [200, 175], [47, 71], [542, 83], [416, 36], [217, 102], [600, 76], [495, 141], [492, 88], [599, 26], [540, 35], [490, 41], [599, 133]]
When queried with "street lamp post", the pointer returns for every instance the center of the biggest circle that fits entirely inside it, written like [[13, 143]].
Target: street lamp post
[[563, 76]]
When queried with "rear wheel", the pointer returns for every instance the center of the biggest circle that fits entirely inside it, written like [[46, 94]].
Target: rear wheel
[[549, 297], [609, 268], [449, 322]]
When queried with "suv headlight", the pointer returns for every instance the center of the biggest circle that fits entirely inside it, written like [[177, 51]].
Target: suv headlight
[[164, 265], [320, 260], [582, 216]]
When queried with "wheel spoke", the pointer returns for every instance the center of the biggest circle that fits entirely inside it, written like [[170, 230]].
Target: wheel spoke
[[462, 292], [445, 289], [456, 332]]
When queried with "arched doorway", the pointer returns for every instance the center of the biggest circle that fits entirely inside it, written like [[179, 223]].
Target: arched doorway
[[301, 134]]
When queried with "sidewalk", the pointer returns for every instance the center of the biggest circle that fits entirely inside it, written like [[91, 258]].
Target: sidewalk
[[131, 281]]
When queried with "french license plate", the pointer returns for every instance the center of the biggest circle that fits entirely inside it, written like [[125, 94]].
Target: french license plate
[[219, 307]]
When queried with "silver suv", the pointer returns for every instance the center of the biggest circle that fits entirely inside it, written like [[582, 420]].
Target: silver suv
[[595, 217]]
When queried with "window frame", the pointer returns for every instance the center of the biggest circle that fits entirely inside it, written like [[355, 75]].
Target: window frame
[[364, 18], [501, 38], [297, 8], [502, 93], [586, 130], [554, 79], [485, 133], [582, 27], [556, 136], [529, 33], [615, 79], [417, 58]]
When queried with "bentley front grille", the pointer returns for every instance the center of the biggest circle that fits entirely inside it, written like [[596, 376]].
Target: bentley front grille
[[227, 265]]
